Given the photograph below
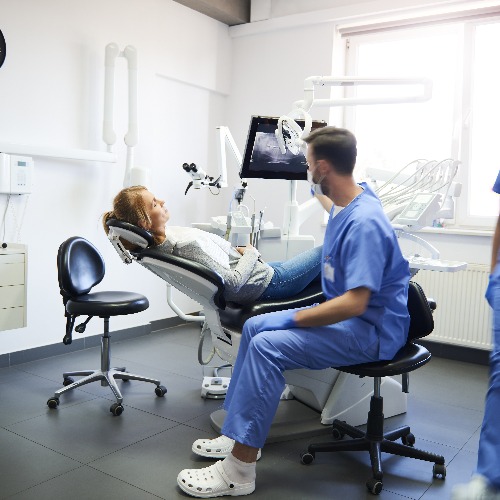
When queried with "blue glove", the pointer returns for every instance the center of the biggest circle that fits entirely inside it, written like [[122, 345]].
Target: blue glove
[[279, 320]]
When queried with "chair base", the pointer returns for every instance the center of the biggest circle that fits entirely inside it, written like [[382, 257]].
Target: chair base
[[106, 375], [375, 441], [107, 378]]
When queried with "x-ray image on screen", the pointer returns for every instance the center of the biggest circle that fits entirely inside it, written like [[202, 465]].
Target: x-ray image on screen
[[263, 157]]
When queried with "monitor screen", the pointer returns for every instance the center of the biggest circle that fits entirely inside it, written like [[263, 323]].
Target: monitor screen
[[263, 158]]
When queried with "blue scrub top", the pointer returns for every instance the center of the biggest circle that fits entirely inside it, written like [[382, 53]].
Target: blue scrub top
[[496, 186], [361, 250]]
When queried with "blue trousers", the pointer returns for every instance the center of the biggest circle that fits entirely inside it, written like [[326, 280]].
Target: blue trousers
[[292, 276], [264, 354], [489, 442]]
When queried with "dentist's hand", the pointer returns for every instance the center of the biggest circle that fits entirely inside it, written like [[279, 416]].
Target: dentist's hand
[[279, 320]]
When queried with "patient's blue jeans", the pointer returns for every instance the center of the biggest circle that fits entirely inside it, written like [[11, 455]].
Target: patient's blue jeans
[[292, 276], [489, 442]]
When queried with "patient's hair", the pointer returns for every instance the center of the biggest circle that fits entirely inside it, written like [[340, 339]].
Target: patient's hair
[[129, 206], [336, 145]]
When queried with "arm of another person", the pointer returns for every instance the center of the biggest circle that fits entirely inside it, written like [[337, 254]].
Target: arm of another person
[[496, 245], [349, 305], [326, 202]]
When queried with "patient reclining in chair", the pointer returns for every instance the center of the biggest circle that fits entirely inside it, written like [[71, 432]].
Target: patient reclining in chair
[[246, 277]]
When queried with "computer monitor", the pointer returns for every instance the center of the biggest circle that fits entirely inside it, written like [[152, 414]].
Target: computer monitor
[[263, 158]]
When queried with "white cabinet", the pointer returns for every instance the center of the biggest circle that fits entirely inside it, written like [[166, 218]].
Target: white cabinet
[[13, 267]]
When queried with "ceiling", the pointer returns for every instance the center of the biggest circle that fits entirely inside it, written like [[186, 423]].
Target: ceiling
[[230, 12]]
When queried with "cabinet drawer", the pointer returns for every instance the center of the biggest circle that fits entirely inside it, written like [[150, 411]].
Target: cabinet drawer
[[12, 296], [12, 274], [12, 318], [11, 258]]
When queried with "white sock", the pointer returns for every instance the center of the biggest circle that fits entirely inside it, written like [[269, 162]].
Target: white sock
[[238, 471]]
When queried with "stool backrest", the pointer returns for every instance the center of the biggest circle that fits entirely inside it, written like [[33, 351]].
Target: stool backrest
[[80, 267], [421, 320]]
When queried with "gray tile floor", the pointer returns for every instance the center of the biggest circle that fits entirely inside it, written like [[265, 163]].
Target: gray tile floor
[[80, 451]]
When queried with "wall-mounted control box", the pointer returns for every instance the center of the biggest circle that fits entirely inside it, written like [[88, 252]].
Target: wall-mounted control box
[[16, 174]]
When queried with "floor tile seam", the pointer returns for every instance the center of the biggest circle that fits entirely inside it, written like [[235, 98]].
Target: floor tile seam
[[51, 357], [129, 445], [400, 495], [72, 470], [47, 379], [124, 481], [462, 448], [426, 490], [434, 400], [432, 441], [68, 405], [170, 419], [167, 372], [44, 481], [45, 446]]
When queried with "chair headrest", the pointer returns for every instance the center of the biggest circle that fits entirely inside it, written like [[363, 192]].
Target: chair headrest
[[133, 234]]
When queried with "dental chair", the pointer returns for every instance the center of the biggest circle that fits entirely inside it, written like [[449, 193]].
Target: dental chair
[[374, 440], [81, 267], [313, 398]]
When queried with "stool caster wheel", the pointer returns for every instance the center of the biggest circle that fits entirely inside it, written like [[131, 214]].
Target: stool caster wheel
[[337, 434], [68, 381], [160, 391], [408, 440], [53, 403], [374, 486], [116, 409], [307, 458], [439, 470]]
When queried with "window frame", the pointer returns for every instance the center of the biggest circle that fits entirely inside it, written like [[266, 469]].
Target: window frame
[[461, 141]]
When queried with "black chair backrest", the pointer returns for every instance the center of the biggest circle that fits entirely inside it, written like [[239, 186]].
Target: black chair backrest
[[421, 320], [80, 267]]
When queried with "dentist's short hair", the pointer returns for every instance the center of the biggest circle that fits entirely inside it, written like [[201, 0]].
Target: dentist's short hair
[[336, 145]]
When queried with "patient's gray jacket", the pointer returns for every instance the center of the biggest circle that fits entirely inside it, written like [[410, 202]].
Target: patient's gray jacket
[[245, 276]]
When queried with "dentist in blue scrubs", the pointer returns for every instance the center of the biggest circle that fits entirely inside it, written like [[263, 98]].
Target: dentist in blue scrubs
[[485, 485], [364, 318]]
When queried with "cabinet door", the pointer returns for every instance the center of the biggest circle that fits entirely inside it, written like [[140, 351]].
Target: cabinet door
[[12, 274], [12, 318]]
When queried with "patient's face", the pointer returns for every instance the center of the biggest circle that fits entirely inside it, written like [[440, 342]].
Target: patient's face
[[157, 212]]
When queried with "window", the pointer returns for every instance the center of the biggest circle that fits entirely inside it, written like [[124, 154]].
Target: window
[[460, 121]]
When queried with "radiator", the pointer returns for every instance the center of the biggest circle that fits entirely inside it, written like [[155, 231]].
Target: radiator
[[462, 317]]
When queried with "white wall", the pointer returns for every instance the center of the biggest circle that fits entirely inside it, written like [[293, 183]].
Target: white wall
[[51, 93]]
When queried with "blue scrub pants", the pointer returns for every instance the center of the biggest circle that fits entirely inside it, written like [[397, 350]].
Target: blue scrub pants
[[488, 463], [292, 276], [257, 381]]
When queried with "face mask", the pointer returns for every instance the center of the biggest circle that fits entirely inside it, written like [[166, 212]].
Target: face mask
[[315, 187]]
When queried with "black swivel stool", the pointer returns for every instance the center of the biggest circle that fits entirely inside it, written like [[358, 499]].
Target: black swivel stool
[[375, 440], [81, 267]]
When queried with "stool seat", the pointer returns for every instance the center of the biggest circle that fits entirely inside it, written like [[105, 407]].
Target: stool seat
[[106, 304], [408, 358]]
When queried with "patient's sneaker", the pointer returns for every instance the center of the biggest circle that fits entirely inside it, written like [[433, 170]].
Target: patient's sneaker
[[477, 489], [219, 447]]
